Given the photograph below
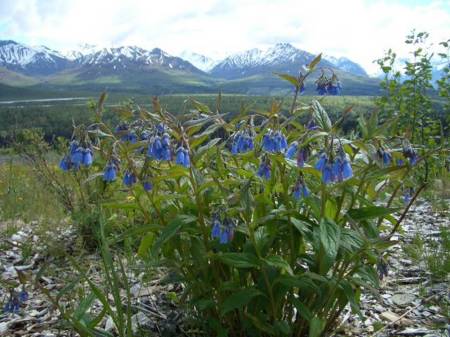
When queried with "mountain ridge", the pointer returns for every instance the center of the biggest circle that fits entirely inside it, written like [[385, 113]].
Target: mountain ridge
[[132, 68]]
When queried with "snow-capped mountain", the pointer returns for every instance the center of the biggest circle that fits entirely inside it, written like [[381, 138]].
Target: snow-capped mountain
[[202, 62], [82, 50], [347, 65], [282, 57], [132, 56], [31, 60]]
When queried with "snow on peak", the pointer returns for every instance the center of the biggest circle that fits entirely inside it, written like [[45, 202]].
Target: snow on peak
[[200, 61]]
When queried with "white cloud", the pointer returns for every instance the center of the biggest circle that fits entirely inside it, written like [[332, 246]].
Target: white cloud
[[359, 29]]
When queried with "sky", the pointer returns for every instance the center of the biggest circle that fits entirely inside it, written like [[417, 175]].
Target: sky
[[361, 30]]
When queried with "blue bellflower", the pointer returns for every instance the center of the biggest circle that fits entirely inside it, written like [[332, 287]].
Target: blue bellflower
[[274, 142], [182, 157], [264, 169], [292, 150], [302, 157], [222, 231], [300, 190], [129, 179], [242, 142], [77, 157], [87, 158], [65, 164], [110, 173], [147, 185]]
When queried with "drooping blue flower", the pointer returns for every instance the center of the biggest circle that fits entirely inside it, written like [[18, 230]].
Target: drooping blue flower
[[216, 225], [242, 142], [77, 157], [12, 305], [312, 125], [129, 179], [300, 190], [387, 158], [400, 162], [23, 296], [268, 143], [333, 88], [410, 154], [224, 237], [148, 186], [347, 171], [264, 169], [182, 157], [110, 173], [302, 157], [159, 148], [327, 174], [65, 164], [161, 128], [337, 170], [274, 142], [87, 158], [130, 137], [321, 88], [323, 160], [407, 195], [292, 150]]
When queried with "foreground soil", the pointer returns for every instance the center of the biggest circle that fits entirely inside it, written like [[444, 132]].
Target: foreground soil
[[411, 301]]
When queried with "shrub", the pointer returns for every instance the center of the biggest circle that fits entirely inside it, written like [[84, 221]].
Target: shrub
[[273, 226]]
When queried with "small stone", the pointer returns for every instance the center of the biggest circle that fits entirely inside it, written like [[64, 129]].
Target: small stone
[[403, 299], [414, 332], [389, 316], [140, 321]]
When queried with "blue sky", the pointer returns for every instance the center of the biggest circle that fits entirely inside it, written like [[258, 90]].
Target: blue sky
[[359, 29]]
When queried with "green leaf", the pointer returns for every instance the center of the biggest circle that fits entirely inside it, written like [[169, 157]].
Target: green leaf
[[330, 234], [315, 62], [364, 213], [289, 78], [278, 262], [238, 300], [84, 306], [321, 116], [240, 260], [168, 232], [316, 326], [146, 243]]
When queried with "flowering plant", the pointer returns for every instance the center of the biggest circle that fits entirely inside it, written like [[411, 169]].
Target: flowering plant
[[272, 225]]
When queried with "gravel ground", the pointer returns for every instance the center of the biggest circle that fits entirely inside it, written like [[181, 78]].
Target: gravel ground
[[410, 301]]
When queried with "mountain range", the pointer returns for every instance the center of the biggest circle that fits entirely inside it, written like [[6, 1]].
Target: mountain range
[[133, 69]]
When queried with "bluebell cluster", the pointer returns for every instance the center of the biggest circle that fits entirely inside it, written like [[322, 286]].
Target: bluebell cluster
[[334, 171], [328, 86], [300, 190], [78, 156], [301, 154], [126, 135], [242, 142], [274, 142], [182, 157], [14, 302], [224, 231], [159, 148], [264, 169]]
